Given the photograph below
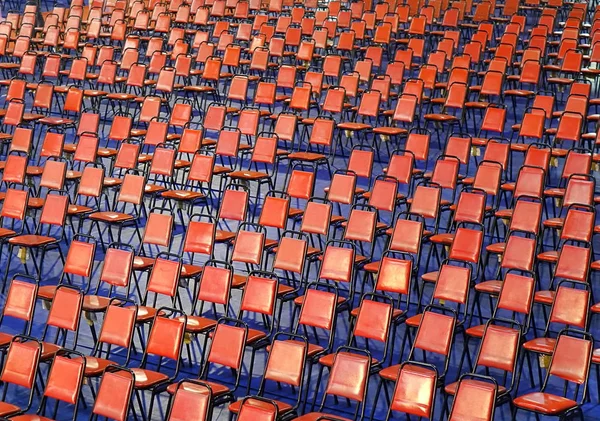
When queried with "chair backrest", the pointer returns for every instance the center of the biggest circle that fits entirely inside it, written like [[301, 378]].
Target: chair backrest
[[571, 361], [349, 378], [110, 404], [65, 380], [188, 404], [415, 389], [474, 398], [65, 312]]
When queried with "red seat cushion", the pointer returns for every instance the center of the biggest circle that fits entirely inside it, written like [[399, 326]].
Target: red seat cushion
[[540, 345], [282, 407], [489, 287], [145, 379], [544, 403], [216, 388], [31, 240]]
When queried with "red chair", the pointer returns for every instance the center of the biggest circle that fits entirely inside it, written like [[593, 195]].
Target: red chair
[[14, 210], [20, 304], [163, 282], [157, 235], [115, 276], [414, 392], [20, 370], [131, 193], [351, 366], [116, 335], [78, 267], [165, 342], [476, 396], [259, 300], [187, 402], [570, 362], [109, 404]]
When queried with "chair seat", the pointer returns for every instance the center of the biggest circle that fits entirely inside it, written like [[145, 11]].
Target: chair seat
[[184, 195], [5, 232], [145, 379], [111, 217], [496, 248], [224, 236], [190, 271], [73, 175], [560, 80], [452, 387], [430, 277], [249, 175], [476, 331], [94, 93], [153, 188], [445, 238], [145, 314], [519, 92], [31, 417], [8, 409], [32, 240], [540, 345], [440, 117], [95, 303], [55, 121], [544, 403], [478, 141], [94, 367], [306, 156], [489, 287], [199, 324], [544, 297], [548, 256], [372, 267], [389, 131], [555, 223], [34, 171], [112, 182], [29, 117], [414, 321], [73, 210], [353, 126], [295, 212], [217, 389], [255, 335], [508, 186], [238, 281], [282, 407], [554, 192], [47, 292], [504, 213], [142, 262], [5, 339]]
